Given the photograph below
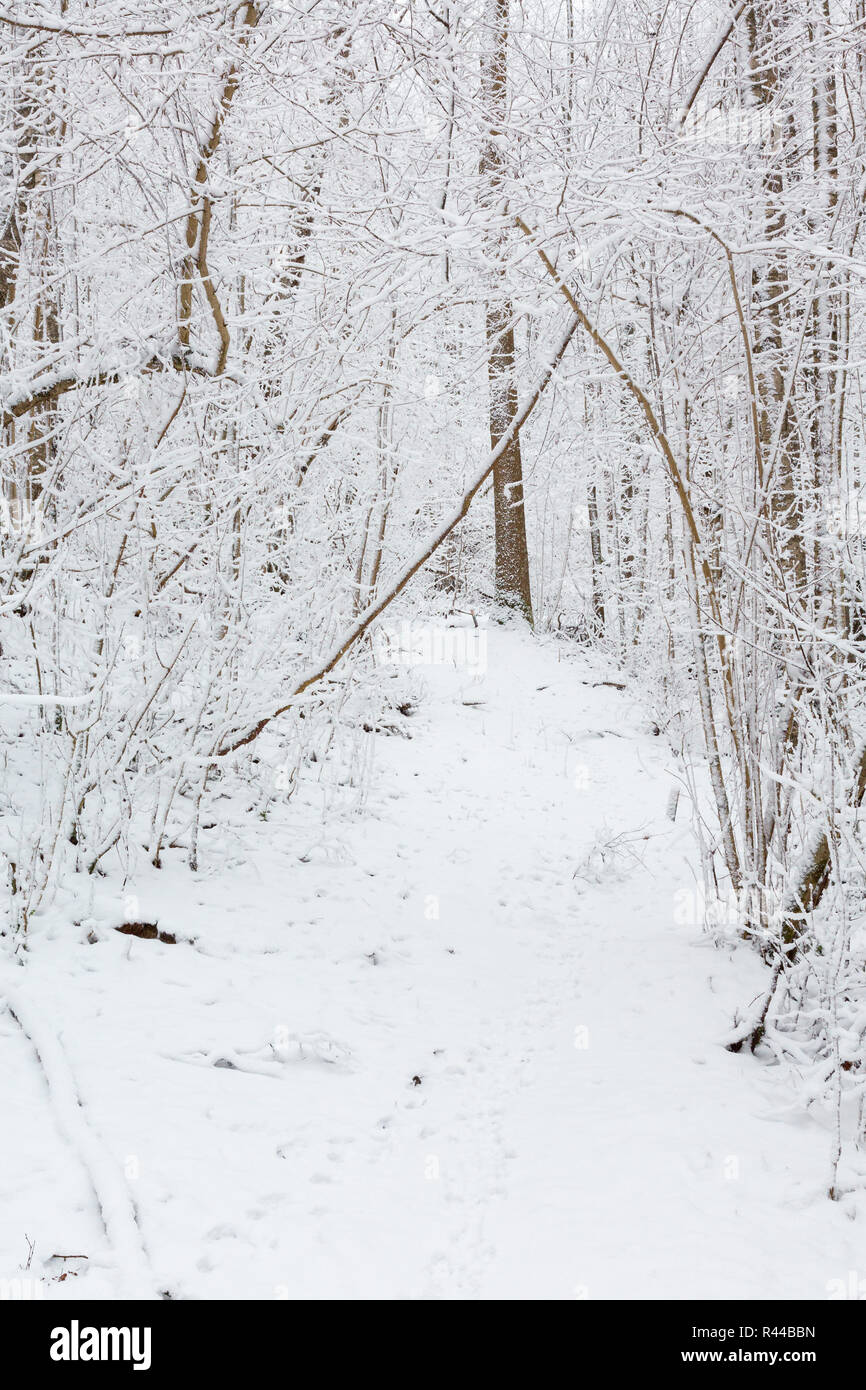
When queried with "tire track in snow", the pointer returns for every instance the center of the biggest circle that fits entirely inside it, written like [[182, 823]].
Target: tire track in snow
[[116, 1207]]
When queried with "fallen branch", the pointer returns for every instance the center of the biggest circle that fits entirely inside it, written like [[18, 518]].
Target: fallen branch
[[370, 614]]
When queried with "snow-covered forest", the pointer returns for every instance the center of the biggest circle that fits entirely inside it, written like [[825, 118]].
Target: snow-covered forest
[[433, 626]]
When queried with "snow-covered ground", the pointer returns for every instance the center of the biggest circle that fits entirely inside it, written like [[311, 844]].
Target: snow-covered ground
[[462, 1045]]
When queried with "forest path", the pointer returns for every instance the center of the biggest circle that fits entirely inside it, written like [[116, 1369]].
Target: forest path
[[458, 1046]]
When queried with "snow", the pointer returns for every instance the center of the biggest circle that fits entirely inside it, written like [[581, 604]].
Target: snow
[[459, 1046]]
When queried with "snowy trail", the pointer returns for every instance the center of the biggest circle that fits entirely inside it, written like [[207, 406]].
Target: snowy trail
[[457, 1048]]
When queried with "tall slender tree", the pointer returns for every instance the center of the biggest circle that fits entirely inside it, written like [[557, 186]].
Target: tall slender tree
[[513, 590]]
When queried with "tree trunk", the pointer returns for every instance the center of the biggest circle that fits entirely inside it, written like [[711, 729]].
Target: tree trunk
[[512, 557]]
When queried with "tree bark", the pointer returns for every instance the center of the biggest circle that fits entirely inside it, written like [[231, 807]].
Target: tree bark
[[512, 584]]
